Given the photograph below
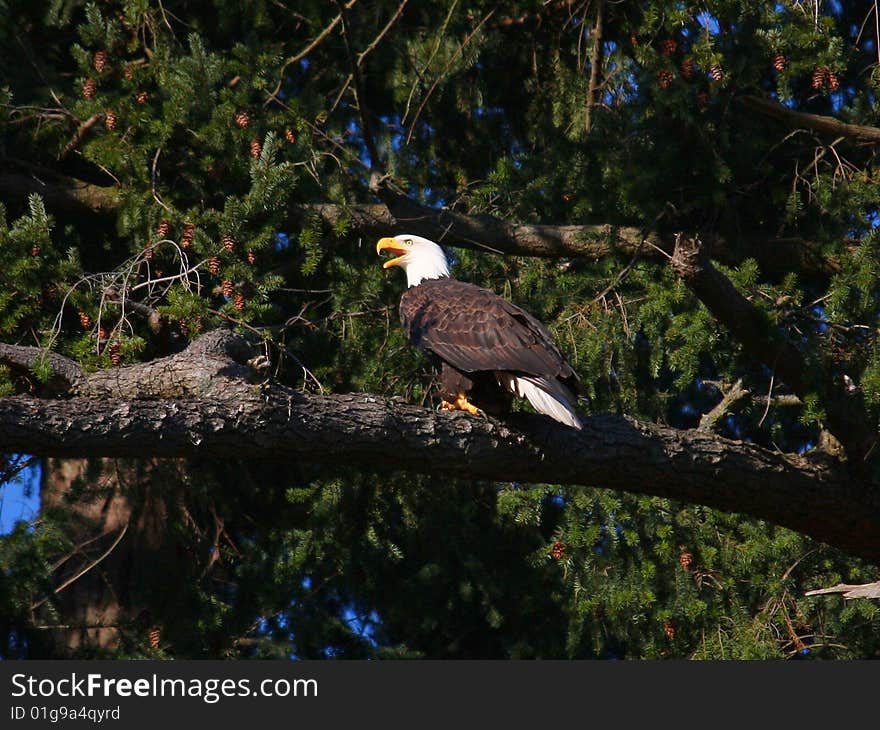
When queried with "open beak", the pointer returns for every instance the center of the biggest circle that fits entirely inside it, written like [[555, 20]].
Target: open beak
[[389, 244]]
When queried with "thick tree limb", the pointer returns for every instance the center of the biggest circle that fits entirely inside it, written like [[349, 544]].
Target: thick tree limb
[[63, 193], [816, 122], [848, 418], [591, 241], [228, 415], [479, 232]]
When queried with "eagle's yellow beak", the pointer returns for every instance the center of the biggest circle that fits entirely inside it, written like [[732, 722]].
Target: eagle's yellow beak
[[389, 244]]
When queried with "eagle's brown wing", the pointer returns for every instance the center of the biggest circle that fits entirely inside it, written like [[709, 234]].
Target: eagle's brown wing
[[474, 329]]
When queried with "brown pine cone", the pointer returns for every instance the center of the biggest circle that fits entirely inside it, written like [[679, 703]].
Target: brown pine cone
[[665, 78], [100, 61], [110, 119], [833, 82], [89, 88], [256, 148], [779, 62], [716, 72], [239, 301], [686, 559], [687, 69], [228, 242], [214, 265], [668, 47], [251, 258], [289, 135], [227, 288], [242, 118], [141, 97], [558, 550], [163, 228], [186, 237]]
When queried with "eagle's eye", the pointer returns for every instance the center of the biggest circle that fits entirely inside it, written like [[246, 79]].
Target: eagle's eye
[[408, 242]]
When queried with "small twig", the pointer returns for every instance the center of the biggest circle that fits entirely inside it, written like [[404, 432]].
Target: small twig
[[440, 76], [709, 420], [307, 50], [85, 570], [769, 393], [595, 63], [80, 134]]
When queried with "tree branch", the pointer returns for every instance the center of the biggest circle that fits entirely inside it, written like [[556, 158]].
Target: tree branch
[[816, 122], [479, 232], [592, 241], [595, 63], [229, 415], [848, 418]]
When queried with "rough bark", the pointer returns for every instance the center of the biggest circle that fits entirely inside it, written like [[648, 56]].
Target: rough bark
[[219, 413]]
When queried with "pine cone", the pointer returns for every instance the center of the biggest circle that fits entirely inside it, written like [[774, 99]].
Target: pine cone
[[89, 89], [256, 148], [141, 97], [128, 72], [155, 636], [227, 288], [289, 135], [100, 61], [115, 353], [85, 320], [102, 333], [665, 78], [35, 250], [669, 628], [228, 242], [833, 82], [687, 69], [239, 301], [558, 550], [110, 119], [668, 47], [214, 265], [242, 118], [779, 62], [716, 72], [148, 251], [251, 258], [817, 81], [163, 228], [686, 559], [186, 237]]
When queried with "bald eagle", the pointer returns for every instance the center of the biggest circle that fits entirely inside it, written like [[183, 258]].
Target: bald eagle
[[487, 349]]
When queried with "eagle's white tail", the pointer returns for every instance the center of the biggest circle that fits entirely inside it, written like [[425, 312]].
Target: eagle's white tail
[[549, 397]]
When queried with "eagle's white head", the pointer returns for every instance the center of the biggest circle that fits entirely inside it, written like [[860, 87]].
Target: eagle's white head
[[420, 258]]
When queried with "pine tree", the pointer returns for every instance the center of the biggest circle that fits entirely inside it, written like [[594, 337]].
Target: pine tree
[[207, 168]]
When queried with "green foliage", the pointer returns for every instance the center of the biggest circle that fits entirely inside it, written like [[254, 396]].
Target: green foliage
[[210, 135]]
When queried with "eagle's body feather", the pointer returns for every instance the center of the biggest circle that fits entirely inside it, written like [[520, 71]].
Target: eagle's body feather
[[489, 348]]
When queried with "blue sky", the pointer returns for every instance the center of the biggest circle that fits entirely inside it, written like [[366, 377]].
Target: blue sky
[[19, 499]]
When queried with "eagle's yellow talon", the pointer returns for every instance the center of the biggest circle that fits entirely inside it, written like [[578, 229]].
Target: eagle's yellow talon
[[461, 404]]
